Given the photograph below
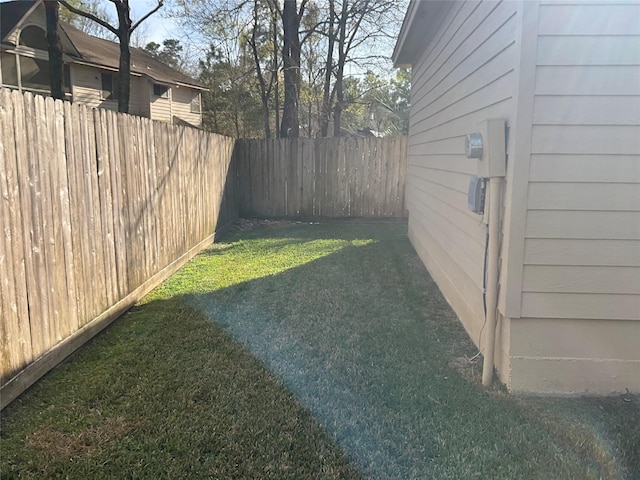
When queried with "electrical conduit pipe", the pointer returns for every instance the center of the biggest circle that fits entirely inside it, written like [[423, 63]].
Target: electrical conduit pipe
[[493, 261]]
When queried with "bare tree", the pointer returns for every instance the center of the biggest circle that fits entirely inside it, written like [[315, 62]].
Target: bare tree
[[266, 85], [352, 25], [123, 31]]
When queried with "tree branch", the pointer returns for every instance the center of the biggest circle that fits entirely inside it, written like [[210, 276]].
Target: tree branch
[[158, 7], [90, 16]]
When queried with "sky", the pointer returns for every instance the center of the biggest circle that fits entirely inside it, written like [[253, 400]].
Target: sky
[[156, 28]]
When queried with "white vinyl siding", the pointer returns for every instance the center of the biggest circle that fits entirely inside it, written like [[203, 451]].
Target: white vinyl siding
[[465, 76]]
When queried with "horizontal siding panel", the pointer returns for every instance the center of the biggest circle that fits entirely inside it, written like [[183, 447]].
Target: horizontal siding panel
[[458, 14], [543, 337], [589, 19], [451, 163], [91, 98], [460, 127], [452, 180], [457, 245], [183, 112], [480, 21], [619, 140], [161, 109], [581, 279], [588, 80], [586, 110], [460, 291], [583, 225], [465, 66], [446, 146], [581, 305], [540, 251], [490, 72], [181, 98], [470, 112], [87, 90], [452, 197], [595, 50], [464, 221], [585, 168], [584, 196]]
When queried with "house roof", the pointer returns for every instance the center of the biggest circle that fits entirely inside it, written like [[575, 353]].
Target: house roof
[[11, 13], [419, 26], [98, 51]]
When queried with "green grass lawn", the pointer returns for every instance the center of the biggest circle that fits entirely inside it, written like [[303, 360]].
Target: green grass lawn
[[303, 351]]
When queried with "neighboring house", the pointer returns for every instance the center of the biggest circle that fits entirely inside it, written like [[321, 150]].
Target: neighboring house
[[566, 77], [91, 68]]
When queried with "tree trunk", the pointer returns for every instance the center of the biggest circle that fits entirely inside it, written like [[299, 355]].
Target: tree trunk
[[124, 72], [275, 71], [264, 93], [124, 76], [342, 57], [56, 64], [290, 126], [325, 113]]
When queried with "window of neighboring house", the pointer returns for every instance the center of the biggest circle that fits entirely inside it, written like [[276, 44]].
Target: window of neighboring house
[[27, 68], [30, 74], [34, 73], [109, 86], [195, 103], [9, 70], [34, 37], [66, 79], [160, 90]]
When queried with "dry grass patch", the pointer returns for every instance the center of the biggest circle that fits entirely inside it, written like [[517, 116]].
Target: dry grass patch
[[70, 445]]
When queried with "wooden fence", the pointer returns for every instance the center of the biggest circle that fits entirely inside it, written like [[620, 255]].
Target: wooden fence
[[96, 208], [335, 177]]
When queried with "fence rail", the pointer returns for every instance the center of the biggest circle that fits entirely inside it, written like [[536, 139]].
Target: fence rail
[[95, 209], [334, 177]]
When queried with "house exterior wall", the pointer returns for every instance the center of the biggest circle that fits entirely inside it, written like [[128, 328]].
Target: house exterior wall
[[465, 75], [579, 310], [565, 77], [161, 107], [87, 89], [86, 83], [182, 98]]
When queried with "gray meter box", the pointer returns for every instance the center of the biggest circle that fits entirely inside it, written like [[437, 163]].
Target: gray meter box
[[477, 191]]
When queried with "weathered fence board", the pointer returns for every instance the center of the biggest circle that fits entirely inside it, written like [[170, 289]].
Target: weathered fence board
[[334, 177], [96, 208]]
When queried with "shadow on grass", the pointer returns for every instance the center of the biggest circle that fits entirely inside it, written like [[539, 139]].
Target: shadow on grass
[[356, 335], [165, 393], [364, 340]]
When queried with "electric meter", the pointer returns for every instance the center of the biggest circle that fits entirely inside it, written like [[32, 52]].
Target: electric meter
[[474, 145]]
